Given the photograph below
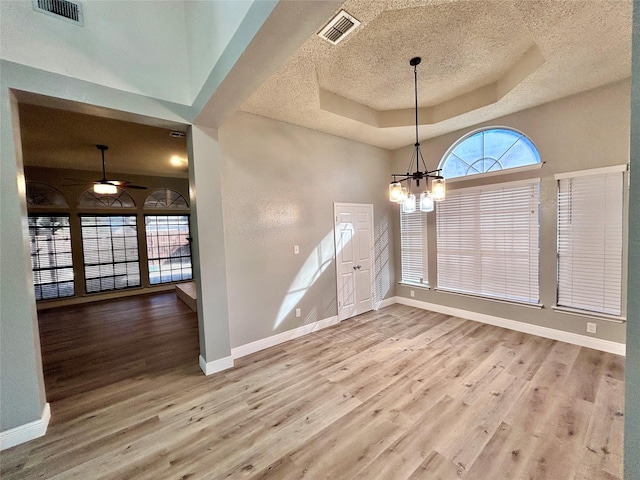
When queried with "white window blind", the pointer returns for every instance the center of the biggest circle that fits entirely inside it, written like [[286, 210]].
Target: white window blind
[[488, 241], [110, 250], [590, 223], [413, 247]]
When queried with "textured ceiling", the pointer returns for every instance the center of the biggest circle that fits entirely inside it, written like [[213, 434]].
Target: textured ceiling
[[480, 60], [63, 139]]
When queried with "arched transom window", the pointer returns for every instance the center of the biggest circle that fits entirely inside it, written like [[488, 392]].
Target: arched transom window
[[90, 199], [165, 198], [44, 195], [488, 150]]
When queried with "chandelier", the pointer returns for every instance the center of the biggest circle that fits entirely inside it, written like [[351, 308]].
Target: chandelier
[[403, 194]]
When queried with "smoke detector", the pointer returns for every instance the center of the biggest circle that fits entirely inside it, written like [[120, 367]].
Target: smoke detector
[[338, 28]]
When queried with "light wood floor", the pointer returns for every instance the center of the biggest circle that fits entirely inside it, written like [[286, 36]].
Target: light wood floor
[[395, 394]]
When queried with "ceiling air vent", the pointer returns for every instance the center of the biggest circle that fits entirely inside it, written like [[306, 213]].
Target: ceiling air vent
[[62, 9], [339, 27]]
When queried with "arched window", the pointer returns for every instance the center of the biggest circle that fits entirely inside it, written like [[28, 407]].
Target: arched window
[[165, 198], [44, 195], [90, 199], [488, 150]]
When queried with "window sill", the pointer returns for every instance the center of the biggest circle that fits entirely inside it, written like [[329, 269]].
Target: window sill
[[587, 314], [537, 306], [422, 286]]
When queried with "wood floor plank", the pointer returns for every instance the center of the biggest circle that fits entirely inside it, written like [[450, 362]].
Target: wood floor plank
[[396, 394]]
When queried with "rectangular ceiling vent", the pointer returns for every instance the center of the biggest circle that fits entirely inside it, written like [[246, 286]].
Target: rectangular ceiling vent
[[339, 27], [62, 9]]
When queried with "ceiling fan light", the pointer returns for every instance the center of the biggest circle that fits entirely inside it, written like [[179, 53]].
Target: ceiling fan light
[[105, 189], [438, 189]]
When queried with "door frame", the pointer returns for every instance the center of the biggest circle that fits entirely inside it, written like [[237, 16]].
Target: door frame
[[336, 205]]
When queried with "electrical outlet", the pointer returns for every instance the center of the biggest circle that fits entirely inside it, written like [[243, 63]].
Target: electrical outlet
[[298, 312], [296, 249], [412, 293], [591, 327]]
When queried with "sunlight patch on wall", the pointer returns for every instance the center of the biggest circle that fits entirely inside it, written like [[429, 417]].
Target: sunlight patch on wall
[[382, 269], [315, 264]]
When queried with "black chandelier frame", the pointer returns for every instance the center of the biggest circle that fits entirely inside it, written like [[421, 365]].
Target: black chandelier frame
[[416, 157]]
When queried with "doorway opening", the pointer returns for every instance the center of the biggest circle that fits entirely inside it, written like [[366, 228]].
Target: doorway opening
[[105, 265]]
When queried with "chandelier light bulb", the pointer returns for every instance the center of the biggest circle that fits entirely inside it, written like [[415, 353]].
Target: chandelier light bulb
[[395, 192], [409, 204], [438, 189], [426, 202]]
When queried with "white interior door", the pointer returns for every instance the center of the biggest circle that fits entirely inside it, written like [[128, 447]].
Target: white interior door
[[354, 258]]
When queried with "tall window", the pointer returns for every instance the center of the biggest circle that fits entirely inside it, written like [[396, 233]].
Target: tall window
[[488, 241], [110, 249], [590, 239], [413, 247], [51, 261], [168, 248], [488, 150]]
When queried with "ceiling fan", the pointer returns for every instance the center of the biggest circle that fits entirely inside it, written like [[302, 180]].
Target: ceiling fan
[[106, 186]]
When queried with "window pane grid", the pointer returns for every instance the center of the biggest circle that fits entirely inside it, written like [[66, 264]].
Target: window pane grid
[[488, 241], [168, 248], [488, 150], [590, 242], [110, 250], [51, 261]]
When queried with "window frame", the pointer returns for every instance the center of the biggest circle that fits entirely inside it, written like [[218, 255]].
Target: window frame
[[601, 172], [37, 284], [151, 258], [424, 250], [85, 264], [506, 171], [492, 189]]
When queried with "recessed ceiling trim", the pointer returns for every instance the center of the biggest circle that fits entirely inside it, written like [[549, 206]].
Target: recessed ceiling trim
[[338, 28], [462, 104]]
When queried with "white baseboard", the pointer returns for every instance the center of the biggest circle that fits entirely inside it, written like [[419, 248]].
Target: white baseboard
[[553, 334], [209, 368], [24, 433], [386, 303], [263, 343]]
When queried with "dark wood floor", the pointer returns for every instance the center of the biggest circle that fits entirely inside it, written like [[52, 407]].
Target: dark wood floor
[[90, 346], [395, 394]]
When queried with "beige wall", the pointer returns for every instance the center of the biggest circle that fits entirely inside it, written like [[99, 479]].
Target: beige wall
[[279, 183], [583, 131]]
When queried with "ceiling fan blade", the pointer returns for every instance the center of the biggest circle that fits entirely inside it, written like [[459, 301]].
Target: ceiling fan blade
[[118, 183]]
